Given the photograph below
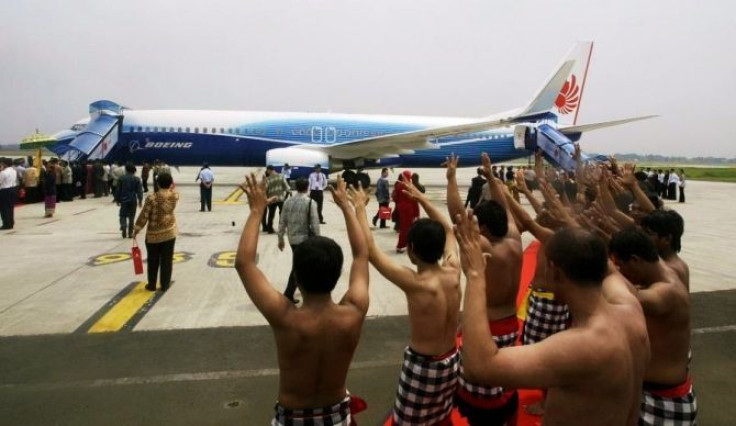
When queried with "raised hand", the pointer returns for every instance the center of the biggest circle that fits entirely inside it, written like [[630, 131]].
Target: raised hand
[[358, 196], [411, 191], [628, 178], [486, 165], [256, 193], [472, 258], [577, 155], [539, 165], [451, 165], [340, 193], [521, 182]]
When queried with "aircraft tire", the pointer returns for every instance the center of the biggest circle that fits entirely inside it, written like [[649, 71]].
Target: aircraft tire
[[364, 179], [349, 177]]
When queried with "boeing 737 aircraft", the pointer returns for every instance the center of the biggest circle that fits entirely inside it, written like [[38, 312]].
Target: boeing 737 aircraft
[[338, 142]]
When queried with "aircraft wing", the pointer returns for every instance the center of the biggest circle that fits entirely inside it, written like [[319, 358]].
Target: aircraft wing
[[595, 126], [407, 142]]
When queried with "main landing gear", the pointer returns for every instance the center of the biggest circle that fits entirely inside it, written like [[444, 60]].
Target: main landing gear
[[352, 178]]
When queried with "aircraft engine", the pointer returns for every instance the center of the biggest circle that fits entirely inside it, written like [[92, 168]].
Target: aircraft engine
[[302, 160], [525, 137]]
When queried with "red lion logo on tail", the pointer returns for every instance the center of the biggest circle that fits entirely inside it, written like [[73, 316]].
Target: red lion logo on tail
[[569, 97]]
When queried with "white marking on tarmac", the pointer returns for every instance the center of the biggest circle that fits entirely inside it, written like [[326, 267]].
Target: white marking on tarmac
[[229, 374], [174, 378], [719, 329]]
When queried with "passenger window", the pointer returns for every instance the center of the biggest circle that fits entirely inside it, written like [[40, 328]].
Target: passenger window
[[178, 129], [196, 130], [204, 130], [187, 129], [214, 130]]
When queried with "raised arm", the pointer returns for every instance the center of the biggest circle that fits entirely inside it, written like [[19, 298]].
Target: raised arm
[[498, 193], [272, 304], [450, 255], [609, 205], [454, 202], [556, 361], [403, 277], [357, 294], [478, 344], [521, 185], [540, 232], [629, 181]]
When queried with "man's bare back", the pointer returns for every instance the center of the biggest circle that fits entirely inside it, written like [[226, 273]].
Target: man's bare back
[[434, 308], [680, 267], [323, 337], [316, 342], [503, 270]]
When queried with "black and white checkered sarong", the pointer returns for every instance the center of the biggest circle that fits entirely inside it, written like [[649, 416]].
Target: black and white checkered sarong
[[488, 392], [677, 407], [545, 317], [426, 388], [334, 415]]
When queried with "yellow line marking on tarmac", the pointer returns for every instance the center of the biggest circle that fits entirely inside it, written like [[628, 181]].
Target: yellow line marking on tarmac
[[123, 311], [233, 198]]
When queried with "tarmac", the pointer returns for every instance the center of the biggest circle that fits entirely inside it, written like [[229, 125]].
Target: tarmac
[[82, 343]]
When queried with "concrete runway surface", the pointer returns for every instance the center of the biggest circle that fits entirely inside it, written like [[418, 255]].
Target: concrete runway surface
[[81, 342]]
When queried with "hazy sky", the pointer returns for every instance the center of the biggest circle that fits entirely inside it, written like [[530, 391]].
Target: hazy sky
[[444, 58]]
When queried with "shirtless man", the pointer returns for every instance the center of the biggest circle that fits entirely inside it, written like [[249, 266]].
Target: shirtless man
[[429, 372], [316, 342], [483, 404], [668, 391], [665, 228], [594, 369]]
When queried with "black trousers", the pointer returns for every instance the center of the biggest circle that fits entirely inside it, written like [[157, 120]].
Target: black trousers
[[160, 254], [317, 196], [205, 198], [291, 285], [682, 194], [98, 187], [8, 197], [672, 191], [375, 218], [268, 215], [145, 184]]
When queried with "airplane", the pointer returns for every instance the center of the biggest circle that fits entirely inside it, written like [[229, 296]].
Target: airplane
[[339, 142]]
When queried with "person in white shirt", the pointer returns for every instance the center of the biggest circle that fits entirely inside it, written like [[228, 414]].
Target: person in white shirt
[[8, 192], [286, 173], [673, 183], [206, 178], [317, 185], [106, 179]]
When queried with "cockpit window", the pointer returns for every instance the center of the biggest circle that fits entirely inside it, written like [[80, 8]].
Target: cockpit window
[[78, 127]]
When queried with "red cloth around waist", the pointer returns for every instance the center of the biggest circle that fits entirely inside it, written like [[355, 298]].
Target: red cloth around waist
[[676, 391], [504, 326]]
